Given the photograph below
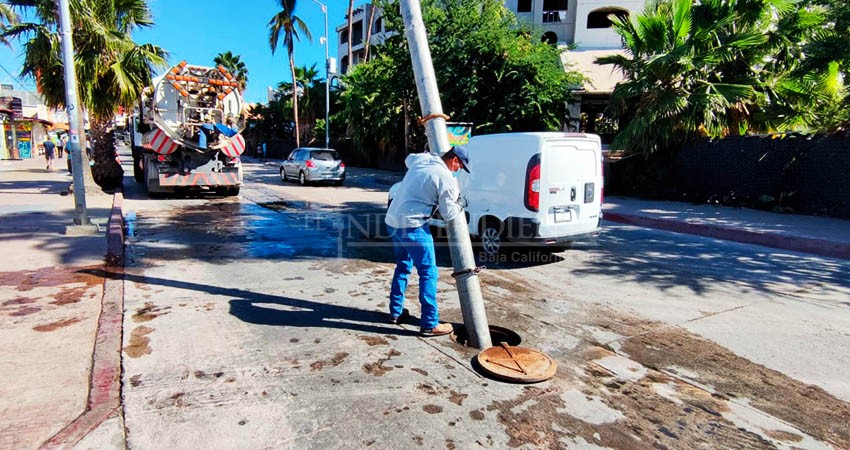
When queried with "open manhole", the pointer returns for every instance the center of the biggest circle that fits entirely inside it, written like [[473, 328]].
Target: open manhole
[[497, 335]]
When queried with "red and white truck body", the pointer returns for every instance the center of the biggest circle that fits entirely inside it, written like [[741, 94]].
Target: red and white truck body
[[186, 132]]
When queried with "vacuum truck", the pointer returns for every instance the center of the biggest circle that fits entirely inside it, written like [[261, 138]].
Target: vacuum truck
[[186, 132]]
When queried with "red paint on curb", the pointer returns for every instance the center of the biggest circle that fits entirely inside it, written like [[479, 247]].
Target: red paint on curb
[[104, 399], [792, 243]]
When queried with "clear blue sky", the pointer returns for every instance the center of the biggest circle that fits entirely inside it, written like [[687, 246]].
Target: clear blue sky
[[197, 31]]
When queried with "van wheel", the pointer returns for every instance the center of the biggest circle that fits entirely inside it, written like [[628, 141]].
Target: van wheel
[[491, 237], [562, 247]]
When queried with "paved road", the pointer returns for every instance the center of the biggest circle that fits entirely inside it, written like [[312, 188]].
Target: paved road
[[257, 322]]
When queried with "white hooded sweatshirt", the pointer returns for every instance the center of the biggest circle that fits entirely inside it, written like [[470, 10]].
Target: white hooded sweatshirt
[[427, 183]]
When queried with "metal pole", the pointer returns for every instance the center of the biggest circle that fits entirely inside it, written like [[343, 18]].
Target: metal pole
[[463, 260], [327, 78], [82, 217]]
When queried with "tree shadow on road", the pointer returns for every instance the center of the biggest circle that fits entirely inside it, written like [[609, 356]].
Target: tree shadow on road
[[669, 260], [274, 310]]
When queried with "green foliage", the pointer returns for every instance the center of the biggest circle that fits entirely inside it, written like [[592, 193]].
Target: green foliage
[[490, 71], [288, 24], [233, 63], [718, 68], [111, 68]]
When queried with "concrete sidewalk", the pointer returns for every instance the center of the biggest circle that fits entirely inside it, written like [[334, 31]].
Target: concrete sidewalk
[[51, 305], [800, 233]]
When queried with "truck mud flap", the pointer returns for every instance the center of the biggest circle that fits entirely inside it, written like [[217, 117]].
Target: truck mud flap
[[200, 179]]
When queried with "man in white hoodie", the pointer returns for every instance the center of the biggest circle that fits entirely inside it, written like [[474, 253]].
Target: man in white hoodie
[[428, 184]]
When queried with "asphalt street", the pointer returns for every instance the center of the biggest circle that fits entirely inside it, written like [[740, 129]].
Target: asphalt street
[[258, 322]]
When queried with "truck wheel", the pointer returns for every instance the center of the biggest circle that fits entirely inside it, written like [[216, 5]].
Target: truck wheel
[[233, 191], [282, 175], [138, 172], [302, 179], [491, 237]]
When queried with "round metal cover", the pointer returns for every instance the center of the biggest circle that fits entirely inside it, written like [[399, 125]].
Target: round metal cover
[[517, 364]]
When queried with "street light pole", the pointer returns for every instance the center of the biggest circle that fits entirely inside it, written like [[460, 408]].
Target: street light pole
[[327, 77], [460, 247], [82, 219]]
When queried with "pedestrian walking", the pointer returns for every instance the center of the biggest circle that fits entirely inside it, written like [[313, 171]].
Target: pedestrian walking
[[49, 152], [264, 152], [60, 148], [429, 185]]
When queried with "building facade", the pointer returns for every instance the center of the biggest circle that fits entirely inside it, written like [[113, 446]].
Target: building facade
[[25, 122], [364, 17]]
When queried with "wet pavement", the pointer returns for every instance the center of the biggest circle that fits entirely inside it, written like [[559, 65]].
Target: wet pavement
[[259, 322]]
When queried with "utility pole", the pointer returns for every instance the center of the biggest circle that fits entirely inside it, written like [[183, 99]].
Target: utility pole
[[327, 78], [81, 218], [463, 260]]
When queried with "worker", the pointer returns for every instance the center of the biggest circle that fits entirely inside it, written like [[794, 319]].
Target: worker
[[428, 185]]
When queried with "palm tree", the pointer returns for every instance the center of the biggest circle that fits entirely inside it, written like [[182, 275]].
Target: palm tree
[[350, 18], [312, 95], [233, 63], [288, 23], [112, 69], [373, 8], [690, 70], [7, 18]]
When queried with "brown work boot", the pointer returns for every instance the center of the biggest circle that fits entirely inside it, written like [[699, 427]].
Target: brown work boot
[[400, 319], [439, 330]]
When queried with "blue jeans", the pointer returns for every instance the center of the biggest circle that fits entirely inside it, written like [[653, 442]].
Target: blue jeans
[[415, 247]]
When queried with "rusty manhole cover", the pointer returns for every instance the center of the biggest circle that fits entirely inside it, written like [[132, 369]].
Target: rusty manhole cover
[[517, 364]]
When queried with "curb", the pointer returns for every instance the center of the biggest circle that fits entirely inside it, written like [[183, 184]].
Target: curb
[[104, 397], [792, 243]]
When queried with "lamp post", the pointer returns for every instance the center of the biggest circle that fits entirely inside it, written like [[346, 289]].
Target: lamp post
[[327, 77]]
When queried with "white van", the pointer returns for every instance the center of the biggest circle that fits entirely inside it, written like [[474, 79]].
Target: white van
[[539, 188]]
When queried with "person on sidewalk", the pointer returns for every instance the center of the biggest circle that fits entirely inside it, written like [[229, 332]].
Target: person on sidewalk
[[60, 146], [49, 152], [428, 184]]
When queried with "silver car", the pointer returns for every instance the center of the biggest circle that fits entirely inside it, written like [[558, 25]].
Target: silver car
[[309, 164]]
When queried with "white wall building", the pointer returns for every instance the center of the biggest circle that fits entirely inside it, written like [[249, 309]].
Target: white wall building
[[364, 16]]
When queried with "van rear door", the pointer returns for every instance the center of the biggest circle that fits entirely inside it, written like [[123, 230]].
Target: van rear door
[[570, 187]]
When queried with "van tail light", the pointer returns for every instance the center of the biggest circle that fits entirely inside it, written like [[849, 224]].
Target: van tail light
[[310, 164], [532, 184], [342, 165]]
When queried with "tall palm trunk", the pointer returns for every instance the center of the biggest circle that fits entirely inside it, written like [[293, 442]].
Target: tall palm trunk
[[295, 99], [369, 32], [350, 42], [106, 172]]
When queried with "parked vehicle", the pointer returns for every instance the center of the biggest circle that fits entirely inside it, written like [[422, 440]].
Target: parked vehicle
[[310, 164], [536, 188], [185, 132]]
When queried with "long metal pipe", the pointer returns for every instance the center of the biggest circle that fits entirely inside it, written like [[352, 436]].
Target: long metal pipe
[[463, 259], [81, 212]]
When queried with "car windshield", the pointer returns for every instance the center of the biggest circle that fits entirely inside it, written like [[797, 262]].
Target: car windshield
[[324, 155]]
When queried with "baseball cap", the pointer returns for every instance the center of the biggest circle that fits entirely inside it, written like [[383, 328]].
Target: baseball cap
[[462, 155]]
